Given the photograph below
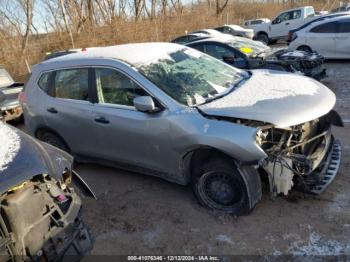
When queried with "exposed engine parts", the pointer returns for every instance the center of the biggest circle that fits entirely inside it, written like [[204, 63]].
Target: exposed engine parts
[[299, 155], [40, 221]]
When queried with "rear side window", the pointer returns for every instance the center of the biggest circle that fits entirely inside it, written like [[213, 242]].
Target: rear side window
[[344, 26], [72, 84], [324, 28], [43, 82]]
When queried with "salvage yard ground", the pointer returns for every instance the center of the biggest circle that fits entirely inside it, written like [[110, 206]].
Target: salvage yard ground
[[141, 215]]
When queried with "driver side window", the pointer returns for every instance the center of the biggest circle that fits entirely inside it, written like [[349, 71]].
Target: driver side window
[[113, 87], [217, 51]]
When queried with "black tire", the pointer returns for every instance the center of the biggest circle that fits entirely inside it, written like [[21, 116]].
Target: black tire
[[53, 139], [263, 38], [219, 185], [304, 48]]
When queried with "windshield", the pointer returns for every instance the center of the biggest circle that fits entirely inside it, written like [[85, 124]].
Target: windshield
[[248, 47], [191, 77]]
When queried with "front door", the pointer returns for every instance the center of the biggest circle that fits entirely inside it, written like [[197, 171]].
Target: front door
[[281, 25], [126, 135]]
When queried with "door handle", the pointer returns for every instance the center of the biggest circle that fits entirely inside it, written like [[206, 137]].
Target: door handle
[[286, 23], [52, 110], [101, 119]]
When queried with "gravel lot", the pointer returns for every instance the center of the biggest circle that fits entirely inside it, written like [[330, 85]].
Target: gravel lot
[[141, 215], [136, 214]]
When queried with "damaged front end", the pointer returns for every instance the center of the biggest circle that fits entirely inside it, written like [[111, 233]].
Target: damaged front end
[[305, 63], [40, 221], [40, 212], [305, 156]]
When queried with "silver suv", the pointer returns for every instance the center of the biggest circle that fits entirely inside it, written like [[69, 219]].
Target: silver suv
[[170, 111]]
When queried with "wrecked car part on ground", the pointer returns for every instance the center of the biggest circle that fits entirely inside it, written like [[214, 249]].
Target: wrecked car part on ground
[[40, 212], [248, 54], [10, 108], [170, 111]]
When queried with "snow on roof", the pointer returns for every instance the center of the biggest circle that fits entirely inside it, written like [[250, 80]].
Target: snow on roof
[[208, 31], [9, 145], [133, 54], [223, 38], [235, 27]]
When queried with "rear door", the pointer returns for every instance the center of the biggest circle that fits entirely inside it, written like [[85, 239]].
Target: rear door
[[68, 108], [124, 134], [321, 38], [342, 39]]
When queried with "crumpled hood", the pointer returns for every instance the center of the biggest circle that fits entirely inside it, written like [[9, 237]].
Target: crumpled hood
[[23, 157], [279, 98]]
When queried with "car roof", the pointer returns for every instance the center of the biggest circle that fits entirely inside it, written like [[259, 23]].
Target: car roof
[[209, 31], [297, 8], [321, 18], [133, 54], [330, 19], [235, 27], [224, 38]]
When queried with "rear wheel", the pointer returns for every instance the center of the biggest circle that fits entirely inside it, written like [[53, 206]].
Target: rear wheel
[[219, 185], [304, 48], [263, 38], [53, 139]]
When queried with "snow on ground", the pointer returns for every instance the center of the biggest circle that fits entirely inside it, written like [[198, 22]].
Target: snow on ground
[[9, 145]]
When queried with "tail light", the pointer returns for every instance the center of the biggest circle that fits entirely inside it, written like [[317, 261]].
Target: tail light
[[22, 97]]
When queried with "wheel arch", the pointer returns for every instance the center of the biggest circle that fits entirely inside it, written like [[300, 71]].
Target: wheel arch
[[304, 46], [261, 32], [41, 129], [198, 156]]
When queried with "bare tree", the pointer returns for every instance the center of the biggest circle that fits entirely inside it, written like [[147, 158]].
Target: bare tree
[[63, 9], [19, 15], [219, 7]]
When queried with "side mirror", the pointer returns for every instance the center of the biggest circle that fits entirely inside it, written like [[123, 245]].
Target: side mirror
[[2, 96], [276, 21], [228, 59], [145, 104]]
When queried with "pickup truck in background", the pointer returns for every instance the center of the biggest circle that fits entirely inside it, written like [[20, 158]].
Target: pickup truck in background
[[10, 108], [271, 31]]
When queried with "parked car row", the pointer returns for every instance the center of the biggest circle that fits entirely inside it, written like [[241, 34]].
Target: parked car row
[[248, 54]]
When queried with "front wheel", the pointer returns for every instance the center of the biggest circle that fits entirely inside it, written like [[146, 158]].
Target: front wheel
[[220, 185]]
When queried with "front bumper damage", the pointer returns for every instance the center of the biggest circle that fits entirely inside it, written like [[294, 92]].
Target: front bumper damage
[[308, 64], [40, 220], [323, 176], [305, 157]]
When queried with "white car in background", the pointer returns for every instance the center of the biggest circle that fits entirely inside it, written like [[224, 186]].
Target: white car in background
[[330, 38], [236, 30], [208, 32]]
